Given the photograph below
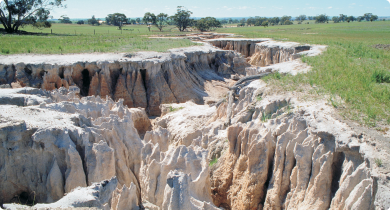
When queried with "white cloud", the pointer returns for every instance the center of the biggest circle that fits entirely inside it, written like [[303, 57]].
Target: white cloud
[[227, 8], [387, 0], [355, 3], [330, 7], [244, 7]]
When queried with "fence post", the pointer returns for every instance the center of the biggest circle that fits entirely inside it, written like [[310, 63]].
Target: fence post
[[51, 31], [93, 31]]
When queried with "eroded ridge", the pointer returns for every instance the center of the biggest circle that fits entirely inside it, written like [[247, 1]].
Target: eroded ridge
[[249, 150], [140, 78], [144, 80]]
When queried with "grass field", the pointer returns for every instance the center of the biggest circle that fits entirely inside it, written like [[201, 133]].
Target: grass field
[[73, 38], [351, 68]]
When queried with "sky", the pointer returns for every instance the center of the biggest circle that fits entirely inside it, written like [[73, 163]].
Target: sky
[[224, 8]]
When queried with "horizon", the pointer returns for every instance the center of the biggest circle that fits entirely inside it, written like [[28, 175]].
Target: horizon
[[247, 8]]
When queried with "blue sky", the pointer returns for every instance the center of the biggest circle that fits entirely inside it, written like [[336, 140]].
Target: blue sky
[[224, 8]]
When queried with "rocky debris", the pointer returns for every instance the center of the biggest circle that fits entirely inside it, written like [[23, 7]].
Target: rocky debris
[[283, 159], [102, 195], [141, 120], [61, 146], [176, 179]]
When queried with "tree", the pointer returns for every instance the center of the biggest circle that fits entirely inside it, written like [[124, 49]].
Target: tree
[[149, 19], [373, 18], [257, 21], [342, 17], [131, 21], [285, 20], [138, 20], [80, 22], [182, 18], [301, 18], [250, 21], [274, 20], [207, 24], [93, 21], [242, 22], [367, 16], [321, 18], [311, 18], [116, 19], [15, 14], [350, 19], [160, 21], [64, 19], [360, 18], [336, 19], [265, 24]]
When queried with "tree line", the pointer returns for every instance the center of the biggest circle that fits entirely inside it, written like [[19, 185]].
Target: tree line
[[15, 14]]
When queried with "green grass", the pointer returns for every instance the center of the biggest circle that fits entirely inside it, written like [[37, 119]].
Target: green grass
[[265, 117], [350, 68], [378, 162], [213, 161], [72, 38], [172, 109]]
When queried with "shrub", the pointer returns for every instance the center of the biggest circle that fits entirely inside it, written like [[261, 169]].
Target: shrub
[[5, 51], [381, 76]]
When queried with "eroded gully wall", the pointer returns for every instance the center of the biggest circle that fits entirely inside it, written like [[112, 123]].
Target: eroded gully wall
[[145, 83]]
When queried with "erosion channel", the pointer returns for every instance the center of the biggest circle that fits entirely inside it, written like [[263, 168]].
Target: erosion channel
[[192, 128]]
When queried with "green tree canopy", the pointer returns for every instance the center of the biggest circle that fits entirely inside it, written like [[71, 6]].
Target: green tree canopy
[[301, 18], [160, 21], [149, 18], [285, 20], [373, 18], [116, 19], [274, 20], [18, 13], [321, 18], [207, 24], [350, 19], [367, 16], [80, 22], [64, 19], [182, 18], [93, 21]]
